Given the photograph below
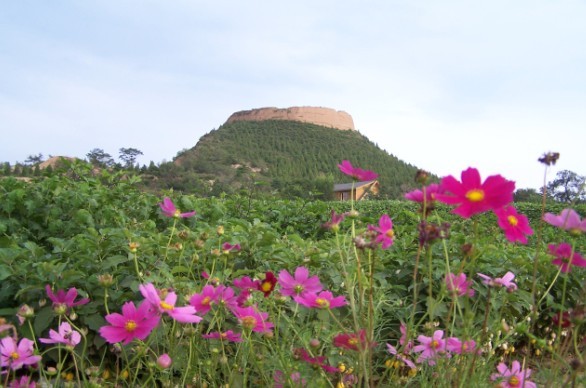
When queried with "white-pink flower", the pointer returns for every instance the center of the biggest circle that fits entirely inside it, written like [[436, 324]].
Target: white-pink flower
[[66, 336], [180, 314]]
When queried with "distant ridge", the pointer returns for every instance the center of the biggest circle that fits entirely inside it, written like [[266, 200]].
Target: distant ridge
[[326, 117]]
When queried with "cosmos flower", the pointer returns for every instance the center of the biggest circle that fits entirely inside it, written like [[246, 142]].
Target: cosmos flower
[[227, 248], [506, 281], [356, 173], [323, 300], [457, 346], [267, 285], [565, 258], [459, 285], [15, 355], [474, 196], [301, 283], [430, 347], [169, 209], [351, 341], [132, 324], [251, 319], [64, 301], [514, 377], [167, 306], [430, 193], [515, 225], [228, 335], [334, 223], [385, 231], [568, 220], [66, 336], [391, 349]]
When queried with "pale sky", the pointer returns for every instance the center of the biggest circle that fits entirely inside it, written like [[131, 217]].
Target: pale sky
[[443, 85]]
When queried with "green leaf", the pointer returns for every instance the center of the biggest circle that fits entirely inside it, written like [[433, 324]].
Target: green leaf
[[43, 319]]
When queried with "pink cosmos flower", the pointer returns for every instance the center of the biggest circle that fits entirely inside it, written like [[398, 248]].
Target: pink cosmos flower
[[15, 355], [224, 336], [568, 220], [391, 349], [132, 323], [457, 346], [402, 341], [169, 209], [565, 258], [300, 284], [334, 223], [356, 173], [515, 225], [24, 382], [167, 306], [66, 336], [458, 285], [267, 285], [203, 301], [514, 377], [251, 319], [323, 300], [430, 193], [227, 248], [245, 299], [506, 281], [225, 297], [430, 347], [473, 196], [385, 231], [282, 381], [164, 361], [246, 283], [63, 301]]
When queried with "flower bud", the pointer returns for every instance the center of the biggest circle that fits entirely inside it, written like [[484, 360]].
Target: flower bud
[[106, 280], [220, 230], [164, 361]]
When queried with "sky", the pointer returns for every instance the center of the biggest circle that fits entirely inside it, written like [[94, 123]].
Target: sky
[[442, 85]]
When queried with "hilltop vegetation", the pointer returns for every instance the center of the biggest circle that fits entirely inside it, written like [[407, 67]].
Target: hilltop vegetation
[[291, 158]]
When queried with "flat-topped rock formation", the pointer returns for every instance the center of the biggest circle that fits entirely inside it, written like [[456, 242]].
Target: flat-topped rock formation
[[325, 117]]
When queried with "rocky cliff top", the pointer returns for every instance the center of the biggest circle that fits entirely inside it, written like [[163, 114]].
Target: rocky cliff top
[[315, 115]]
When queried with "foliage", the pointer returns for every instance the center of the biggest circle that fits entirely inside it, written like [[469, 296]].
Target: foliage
[[568, 187]]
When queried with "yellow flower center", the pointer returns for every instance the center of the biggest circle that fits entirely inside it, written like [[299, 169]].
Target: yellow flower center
[[353, 341], [14, 356], [266, 286], [390, 233], [475, 195], [248, 322], [177, 213], [322, 303], [513, 221], [298, 289], [130, 325], [166, 306], [464, 347], [434, 344], [206, 301], [514, 381]]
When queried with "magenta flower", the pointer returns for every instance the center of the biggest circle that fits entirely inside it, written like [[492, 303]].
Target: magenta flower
[[227, 248], [203, 301], [403, 340], [430, 193], [391, 349], [457, 346], [24, 382], [351, 341], [267, 285], [66, 336], [458, 285], [300, 284], [63, 301], [169, 209], [245, 299], [15, 355], [514, 377], [323, 300], [251, 319], [356, 173], [164, 361], [430, 347], [224, 336], [385, 231], [506, 281], [568, 220], [515, 225], [246, 283], [167, 306], [132, 324], [565, 258], [225, 297], [316, 361], [334, 223], [473, 196]]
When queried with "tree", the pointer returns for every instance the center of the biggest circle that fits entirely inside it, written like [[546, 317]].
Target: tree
[[33, 159], [99, 158], [129, 155], [527, 195], [567, 187]]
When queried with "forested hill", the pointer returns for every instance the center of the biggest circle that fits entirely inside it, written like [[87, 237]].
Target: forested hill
[[290, 158]]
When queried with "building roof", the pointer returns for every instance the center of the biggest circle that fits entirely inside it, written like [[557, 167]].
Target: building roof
[[348, 186]]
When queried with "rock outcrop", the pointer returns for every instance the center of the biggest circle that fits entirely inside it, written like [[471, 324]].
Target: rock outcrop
[[320, 116]]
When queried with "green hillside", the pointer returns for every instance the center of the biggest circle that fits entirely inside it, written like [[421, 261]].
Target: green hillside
[[287, 158]]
